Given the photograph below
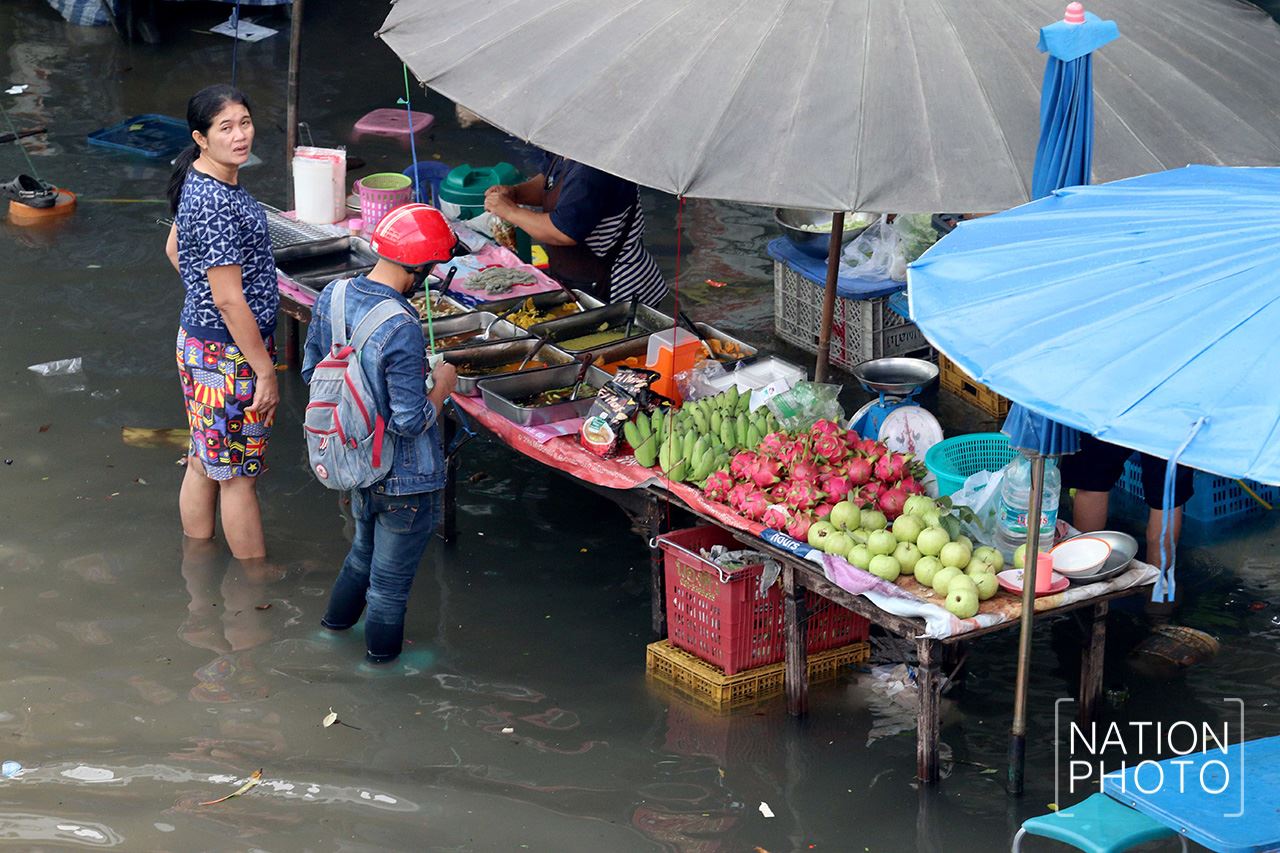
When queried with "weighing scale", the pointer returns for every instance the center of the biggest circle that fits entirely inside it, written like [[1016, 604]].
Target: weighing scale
[[896, 382]]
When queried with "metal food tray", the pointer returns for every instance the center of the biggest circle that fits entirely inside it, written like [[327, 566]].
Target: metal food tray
[[543, 301], [502, 352], [499, 391], [447, 300], [712, 332], [473, 321], [291, 239], [648, 321]]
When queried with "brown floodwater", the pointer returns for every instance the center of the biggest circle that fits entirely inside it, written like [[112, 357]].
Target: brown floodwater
[[141, 676]]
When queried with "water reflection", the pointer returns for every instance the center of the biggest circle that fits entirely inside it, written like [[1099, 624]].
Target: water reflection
[[229, 613]]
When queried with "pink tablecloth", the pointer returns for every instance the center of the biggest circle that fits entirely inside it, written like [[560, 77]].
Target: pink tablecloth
[[566, 454]]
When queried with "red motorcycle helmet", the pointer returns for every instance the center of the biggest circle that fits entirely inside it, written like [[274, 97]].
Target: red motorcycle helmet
[[414, 235]]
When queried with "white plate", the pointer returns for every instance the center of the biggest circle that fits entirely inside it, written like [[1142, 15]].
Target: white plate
[[910, 429]]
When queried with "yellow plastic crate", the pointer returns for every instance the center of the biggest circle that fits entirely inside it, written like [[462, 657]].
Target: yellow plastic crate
[[970, 390], [699, 680]]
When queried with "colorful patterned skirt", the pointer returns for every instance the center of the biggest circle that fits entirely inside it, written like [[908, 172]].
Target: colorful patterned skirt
[[218, 384]]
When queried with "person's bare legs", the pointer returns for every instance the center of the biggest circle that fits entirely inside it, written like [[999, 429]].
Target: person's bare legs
[[241, 518], [1089, 511], [1155, 520], [197, 501]]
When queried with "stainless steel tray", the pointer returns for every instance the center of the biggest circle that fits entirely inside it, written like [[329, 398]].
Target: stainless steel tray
[[543, 301], [500, 391], [712, 332], [459, 308], [648, 321], [1123, 550], [291, 239], [501, 352], [474, 321]]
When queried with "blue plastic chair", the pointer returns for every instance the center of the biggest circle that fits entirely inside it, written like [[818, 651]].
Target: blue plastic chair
[[429, 173], [1097, 825]]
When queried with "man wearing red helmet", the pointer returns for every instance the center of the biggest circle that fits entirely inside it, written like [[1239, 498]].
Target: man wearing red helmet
[[396, 516]]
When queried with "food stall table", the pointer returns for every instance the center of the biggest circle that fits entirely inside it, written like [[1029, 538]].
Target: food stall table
[[646, 496]]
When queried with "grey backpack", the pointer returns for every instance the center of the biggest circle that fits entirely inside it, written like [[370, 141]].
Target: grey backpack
[[347, 443]]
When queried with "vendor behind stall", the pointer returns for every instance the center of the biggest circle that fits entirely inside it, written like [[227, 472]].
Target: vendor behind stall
[[591, 225]]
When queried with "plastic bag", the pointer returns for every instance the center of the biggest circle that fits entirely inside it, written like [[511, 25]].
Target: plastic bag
[[61, 367], [701, 381], [871, 255], [916, 233], [981, 493], [808, 402]]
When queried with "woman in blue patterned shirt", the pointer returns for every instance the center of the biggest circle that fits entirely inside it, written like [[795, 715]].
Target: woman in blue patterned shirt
[[226, 357]]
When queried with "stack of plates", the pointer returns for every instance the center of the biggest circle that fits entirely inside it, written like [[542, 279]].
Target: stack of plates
[[1123, 549]]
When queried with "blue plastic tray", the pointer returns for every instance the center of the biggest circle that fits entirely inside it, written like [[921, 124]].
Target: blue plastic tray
[[151, 135]]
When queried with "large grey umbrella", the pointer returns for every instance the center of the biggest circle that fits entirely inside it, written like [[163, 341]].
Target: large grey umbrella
[[883, 105]]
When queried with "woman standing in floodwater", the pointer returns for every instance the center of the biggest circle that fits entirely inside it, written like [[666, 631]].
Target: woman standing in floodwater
[[226, 356]]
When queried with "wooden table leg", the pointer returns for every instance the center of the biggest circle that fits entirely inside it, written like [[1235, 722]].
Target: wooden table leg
[[449, 521], [794, 629], [655, 520], [292, 343], [1091, 662], [929, 681]]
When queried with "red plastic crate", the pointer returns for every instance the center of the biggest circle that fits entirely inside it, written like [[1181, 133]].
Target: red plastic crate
[[720, 617]]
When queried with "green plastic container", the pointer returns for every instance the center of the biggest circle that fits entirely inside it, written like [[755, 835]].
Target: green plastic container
[[462, 195], [954, 460]]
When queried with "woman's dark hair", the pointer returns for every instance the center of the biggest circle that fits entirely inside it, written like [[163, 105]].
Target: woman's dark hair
[[202, 109]]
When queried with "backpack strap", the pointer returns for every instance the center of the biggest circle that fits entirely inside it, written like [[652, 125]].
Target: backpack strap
[[338, 313], [382, 312]]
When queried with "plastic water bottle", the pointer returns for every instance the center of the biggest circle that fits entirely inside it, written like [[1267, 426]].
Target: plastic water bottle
[[1015, 497]]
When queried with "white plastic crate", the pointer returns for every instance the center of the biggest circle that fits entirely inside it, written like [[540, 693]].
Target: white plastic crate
[[861, 329]]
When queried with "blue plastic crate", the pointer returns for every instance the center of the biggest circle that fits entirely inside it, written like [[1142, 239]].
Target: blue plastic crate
[[1216, 498], [151, 135]]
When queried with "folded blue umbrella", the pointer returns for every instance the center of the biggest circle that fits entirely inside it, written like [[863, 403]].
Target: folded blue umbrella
[[1063, 158]]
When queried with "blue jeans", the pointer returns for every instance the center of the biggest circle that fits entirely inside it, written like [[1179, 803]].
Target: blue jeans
[[392, 532]]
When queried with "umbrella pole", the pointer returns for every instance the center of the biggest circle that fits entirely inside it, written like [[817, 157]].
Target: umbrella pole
[[291, 100], [1018, 735], [829, 298]]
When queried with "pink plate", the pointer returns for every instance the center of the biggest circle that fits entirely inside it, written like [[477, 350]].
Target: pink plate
[[1011, 579]]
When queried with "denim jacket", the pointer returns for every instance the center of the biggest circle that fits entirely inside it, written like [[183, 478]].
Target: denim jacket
[[395, 364]]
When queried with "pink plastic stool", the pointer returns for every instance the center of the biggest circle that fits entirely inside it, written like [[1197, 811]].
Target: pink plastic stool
[[394, 122]]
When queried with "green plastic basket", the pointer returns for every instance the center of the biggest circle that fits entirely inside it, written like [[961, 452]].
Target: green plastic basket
[[954, 460]]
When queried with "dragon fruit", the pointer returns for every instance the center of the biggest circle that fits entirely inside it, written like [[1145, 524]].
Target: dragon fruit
[[823, 510], [778, 494], [911, 485], [772, 444], [825, 427], [776, 517], [804, 495], [738, 494], [858, 470], [891, 467], [754, 505], [718, 485], [891, 502], [872, 449], [806, 470], [741, 464], [793, 452], [871, 492], [836, 486], [764, 472], [798, 527], [830, 447]]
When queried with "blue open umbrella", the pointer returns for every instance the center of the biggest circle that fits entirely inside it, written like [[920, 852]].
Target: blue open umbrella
[[1142, 311]]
